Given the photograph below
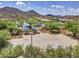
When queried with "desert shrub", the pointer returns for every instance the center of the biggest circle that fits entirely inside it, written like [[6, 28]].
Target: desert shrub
[[72, 26], [6, 52], [13, 27], [7, 24], [60, 52], [75, 30], [3, 24], [68, 24], [17, 51], [31, 21], [34, 52], [50, 53], [69, 52], [3, 42], [76, 51], [5, 34], [47, 24], [34, 21], [11, 52], [53, 25], [31, 52]]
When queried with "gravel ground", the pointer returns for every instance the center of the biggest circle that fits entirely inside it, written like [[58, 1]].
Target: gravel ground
[[44, 40]]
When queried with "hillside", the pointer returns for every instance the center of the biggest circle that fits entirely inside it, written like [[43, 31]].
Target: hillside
[[11, 13]]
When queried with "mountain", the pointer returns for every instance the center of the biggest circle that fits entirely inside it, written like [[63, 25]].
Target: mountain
[[54, 15], [49, 15], [11, 13], [10, 10], [33, 13]]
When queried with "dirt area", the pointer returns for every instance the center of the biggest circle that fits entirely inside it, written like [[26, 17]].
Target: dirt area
[[44, 40], [44, 30]]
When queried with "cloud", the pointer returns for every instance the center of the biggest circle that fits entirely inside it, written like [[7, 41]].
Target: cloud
[[71, 11], [78, 9], [1, 3], [61, 10], [57, 6], [44, 8], [29, 7], [65, 11], [28, 3], [53, 5], [39, 6], [20, 3], [2, 6], [48, 9]]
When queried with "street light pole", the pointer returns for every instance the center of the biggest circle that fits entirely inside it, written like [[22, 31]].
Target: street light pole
[[31, 33], [31, 40]]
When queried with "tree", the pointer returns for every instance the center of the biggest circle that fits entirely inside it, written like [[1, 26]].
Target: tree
[[48, 24], [4, 36], [68, 24], [54, 25], [12, 27], [3, 24], [72, 26], [75, 30]]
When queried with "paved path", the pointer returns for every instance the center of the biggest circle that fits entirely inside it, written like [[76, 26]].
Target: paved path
[[44, 39]]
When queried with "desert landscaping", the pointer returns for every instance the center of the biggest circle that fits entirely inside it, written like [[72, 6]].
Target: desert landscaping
[[40, 30]]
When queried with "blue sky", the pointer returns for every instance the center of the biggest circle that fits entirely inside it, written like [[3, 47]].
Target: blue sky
[[45, 7]]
